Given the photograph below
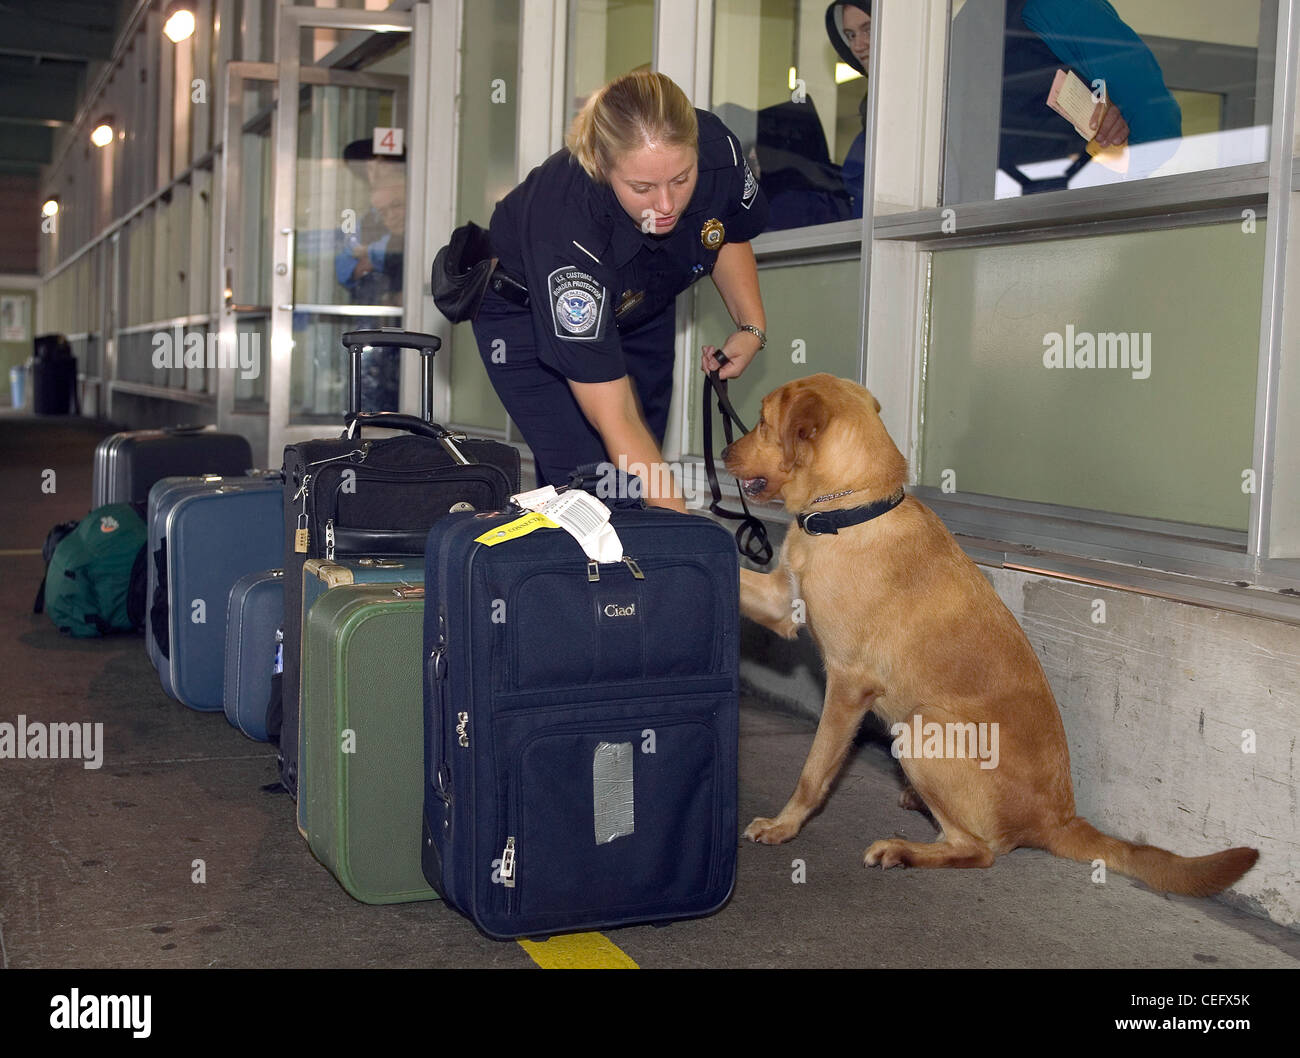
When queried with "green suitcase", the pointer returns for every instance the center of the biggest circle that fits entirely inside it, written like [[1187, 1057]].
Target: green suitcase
[[363, 740], [321, 575]]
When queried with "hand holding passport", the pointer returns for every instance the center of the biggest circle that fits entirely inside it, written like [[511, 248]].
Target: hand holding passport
[[1072, 99]]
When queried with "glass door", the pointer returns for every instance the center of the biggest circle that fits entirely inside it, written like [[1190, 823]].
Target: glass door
[[337, 242], [245, 258]]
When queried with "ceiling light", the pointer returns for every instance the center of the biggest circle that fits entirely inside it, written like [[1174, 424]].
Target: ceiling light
[[102, 135], [179, 24], [51, 207]]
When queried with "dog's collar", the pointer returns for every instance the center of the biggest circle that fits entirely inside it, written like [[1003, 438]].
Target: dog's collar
[[820, 523]]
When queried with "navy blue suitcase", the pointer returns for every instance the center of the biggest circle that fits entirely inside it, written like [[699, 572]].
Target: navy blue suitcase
[[580, 724]]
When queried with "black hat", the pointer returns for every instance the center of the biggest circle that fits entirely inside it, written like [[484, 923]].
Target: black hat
[[364, 151], [835, 30]]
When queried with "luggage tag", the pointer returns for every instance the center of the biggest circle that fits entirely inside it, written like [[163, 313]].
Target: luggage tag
[[513, 530], [580, 514]]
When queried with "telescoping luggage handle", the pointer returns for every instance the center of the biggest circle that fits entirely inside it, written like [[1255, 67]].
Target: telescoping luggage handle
[[396, 338]]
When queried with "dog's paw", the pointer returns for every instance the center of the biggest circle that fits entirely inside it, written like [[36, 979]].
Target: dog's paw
[[770, 832], [885, 854]]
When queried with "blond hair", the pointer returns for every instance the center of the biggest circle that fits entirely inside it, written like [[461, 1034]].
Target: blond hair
[[636, 110]]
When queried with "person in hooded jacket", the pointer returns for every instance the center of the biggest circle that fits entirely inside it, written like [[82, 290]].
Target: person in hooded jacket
[[848, 24]]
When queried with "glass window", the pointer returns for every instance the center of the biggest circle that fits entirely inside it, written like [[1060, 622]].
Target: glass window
[[607, 38], [789, 79], [811, 308], [489, 124], [350, 216], [1045, 95], [1112, 373]]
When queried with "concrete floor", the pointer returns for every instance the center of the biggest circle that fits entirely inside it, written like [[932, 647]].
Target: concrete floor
[[95, 866]]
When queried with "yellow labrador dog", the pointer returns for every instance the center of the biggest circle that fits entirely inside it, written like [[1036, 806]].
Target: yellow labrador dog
[[908, 626]]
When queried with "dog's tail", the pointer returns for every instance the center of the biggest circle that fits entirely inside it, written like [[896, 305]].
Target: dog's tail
[[1161, 870]]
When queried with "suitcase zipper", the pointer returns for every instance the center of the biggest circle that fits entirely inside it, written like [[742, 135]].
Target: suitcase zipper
[[383, 477], [508, 866]]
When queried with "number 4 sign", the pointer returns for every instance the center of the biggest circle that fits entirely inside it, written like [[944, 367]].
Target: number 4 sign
[[387, 141]]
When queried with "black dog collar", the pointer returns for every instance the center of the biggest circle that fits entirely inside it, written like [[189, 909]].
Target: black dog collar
[[821, 523]]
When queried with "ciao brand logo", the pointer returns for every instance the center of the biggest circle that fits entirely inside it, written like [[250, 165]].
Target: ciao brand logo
[[615, 610]]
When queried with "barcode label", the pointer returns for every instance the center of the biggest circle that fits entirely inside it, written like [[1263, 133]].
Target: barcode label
[[581, 514]]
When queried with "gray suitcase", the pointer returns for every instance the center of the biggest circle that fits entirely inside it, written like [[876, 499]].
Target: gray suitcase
[[254, 618], [127, 465]]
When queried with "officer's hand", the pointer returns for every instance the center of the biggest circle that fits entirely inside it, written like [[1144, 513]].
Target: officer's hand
[[738, 350]]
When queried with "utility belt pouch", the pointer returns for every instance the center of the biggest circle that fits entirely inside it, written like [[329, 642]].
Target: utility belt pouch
[[461, 272]]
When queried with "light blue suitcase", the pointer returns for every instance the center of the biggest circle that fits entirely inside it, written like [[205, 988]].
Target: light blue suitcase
[[204, 534]]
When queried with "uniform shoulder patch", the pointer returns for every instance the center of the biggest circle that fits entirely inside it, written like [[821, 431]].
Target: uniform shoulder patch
[[577, 304], [750, 191]]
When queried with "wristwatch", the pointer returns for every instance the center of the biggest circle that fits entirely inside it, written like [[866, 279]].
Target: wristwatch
[[762, 338]]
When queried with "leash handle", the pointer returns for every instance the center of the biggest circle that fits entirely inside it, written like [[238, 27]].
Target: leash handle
[[751, 534]]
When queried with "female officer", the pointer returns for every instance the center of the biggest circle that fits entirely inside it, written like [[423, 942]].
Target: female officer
[[594, 246]]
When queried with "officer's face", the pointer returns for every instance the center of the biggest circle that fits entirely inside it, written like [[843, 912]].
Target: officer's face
[[654, 185]]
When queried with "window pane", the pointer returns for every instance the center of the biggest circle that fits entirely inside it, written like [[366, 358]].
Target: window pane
[[789, 81], [350, 217], [489, 121], [812, 311], [1021, 400], [1151, 88], [607, 38]]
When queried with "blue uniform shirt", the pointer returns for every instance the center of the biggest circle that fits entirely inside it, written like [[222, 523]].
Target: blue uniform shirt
[[592, 273]]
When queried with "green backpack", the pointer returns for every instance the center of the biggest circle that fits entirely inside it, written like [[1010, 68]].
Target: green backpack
[[96, 579]]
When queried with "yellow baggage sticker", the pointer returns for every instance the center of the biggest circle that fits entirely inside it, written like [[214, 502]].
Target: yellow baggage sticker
[[513, 530]]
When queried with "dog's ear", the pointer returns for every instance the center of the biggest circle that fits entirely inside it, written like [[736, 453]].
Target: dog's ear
[[876, 403], [804, 418]]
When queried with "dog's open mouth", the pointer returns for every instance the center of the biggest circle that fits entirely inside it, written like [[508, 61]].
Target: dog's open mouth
[[753, 487]]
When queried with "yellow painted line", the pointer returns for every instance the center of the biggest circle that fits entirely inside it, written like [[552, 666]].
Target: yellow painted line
[[578, 951]]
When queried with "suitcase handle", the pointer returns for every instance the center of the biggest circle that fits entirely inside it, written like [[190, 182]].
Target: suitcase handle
[[391, 338], [393, 420]]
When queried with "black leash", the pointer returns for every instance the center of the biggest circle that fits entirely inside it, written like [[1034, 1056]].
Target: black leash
[[751, 535]]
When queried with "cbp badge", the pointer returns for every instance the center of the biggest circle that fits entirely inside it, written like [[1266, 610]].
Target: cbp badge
[[577, 304], [712, 234]]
